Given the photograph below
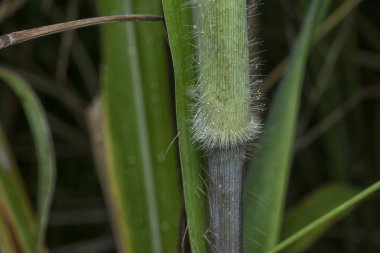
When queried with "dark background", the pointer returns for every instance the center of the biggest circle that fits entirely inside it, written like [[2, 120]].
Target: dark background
[[64, 68]]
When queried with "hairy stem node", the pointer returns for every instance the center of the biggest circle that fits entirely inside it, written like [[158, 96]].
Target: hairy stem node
[[224, 122]]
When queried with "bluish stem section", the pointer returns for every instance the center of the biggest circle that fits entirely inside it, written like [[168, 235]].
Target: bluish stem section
[[225, 168]]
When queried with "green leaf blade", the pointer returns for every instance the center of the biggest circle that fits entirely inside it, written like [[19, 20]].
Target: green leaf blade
[[266, 182], [311, 208], [153, 65], [179, 26], [328, 217], [16, 216], [142, 169], [44, 150]]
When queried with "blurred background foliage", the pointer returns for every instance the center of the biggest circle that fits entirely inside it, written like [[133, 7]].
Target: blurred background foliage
[[338, 137]]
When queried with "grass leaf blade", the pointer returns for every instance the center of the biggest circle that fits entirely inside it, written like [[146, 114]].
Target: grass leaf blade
[[266, 182], [312, 207], [44, 149], [179, 26], [328, 217], [142, 170], [17, 223]]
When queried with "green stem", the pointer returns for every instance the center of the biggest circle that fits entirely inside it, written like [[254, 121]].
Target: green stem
[[224, 123], [223, 117]]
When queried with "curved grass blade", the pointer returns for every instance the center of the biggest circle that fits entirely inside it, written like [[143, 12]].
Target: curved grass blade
[[311, 208], [328, 217], [44, 150], [179, 27], [139, 127], [266, 181], [17, 224]]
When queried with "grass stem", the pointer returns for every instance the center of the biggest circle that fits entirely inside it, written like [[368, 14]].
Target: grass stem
[[226, 174]]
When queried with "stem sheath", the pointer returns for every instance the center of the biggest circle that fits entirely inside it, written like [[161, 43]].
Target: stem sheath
[[223, 117]]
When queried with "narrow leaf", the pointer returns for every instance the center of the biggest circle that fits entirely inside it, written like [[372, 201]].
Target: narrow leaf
[[17, 224], [139, 128], [312, 207], [44, 149], [179, 27], [328, 217], [266, 181], [160, 122]]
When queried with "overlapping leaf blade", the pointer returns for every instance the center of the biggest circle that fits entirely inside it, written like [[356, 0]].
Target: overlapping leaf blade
[[142, 170], [179, 26]]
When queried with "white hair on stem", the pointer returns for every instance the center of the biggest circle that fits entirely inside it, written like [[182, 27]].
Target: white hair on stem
[[226, 108]]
